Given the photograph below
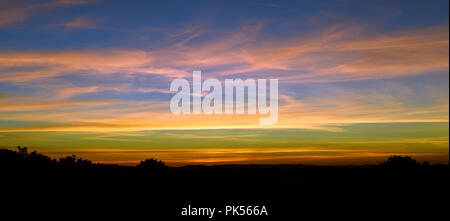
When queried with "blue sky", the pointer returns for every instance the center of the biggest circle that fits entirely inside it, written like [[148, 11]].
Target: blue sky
[[97, 69]]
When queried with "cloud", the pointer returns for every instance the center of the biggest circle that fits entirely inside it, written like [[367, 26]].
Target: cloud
[[327, 112], [334, 54], [80, 22], [315, 155], [12, 12], [341, 107], [16, 137], [30, 104], [338, 56], [4, 95], [68, 90], [39, 65]]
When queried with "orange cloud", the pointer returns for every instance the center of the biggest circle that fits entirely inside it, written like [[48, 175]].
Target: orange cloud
[[80, 22], [326, 112], [17, 11], [331, 55], [285, 155], [51, 64], [339, 56]]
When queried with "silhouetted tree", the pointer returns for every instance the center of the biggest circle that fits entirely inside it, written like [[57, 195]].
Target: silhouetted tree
[[31, 160], [400, 162], [152, 164], [73, 162], [23, 151]]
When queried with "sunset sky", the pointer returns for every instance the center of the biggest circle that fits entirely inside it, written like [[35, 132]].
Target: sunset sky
[[358, 80]]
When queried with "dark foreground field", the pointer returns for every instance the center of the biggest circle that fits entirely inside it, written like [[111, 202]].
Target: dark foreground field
[[35, 185]]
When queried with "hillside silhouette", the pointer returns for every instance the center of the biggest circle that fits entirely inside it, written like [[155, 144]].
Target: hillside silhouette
[[72, 182], [25, 166]]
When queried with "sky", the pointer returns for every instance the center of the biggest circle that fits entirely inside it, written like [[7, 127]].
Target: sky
[[358, 80]]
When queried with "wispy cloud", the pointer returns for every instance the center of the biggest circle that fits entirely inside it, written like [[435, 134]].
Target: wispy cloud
[[80, 22], [12, 12], [326, 112], [334, 54], [40, 65], [329, 56]]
